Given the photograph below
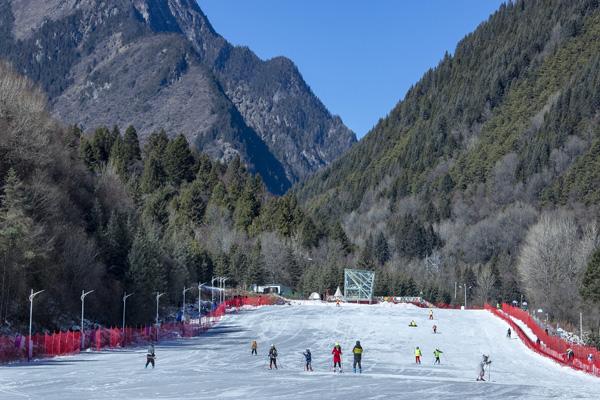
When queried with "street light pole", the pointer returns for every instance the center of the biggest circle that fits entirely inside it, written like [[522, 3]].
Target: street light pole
[[158, 296], [200, 300], [212, 292], [83, 295], [455, 284], [224, 297], [29, 341], [125, 297], [183, 307]]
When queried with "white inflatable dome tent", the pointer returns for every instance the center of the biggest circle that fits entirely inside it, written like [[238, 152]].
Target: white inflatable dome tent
[[314, 296]]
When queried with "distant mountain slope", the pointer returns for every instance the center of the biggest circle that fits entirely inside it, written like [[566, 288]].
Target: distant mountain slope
[[160, 64], [491, 157]]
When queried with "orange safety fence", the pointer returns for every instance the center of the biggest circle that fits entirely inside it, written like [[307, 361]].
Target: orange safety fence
[[14, 348], [550, 346]]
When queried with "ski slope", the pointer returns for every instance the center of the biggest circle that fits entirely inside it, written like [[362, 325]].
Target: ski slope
[[218, 365]]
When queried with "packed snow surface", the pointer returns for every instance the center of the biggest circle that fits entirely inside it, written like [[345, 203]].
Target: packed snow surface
[[218, 365]]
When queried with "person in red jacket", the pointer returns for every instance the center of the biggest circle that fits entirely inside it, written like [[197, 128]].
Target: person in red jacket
[[337, 357]]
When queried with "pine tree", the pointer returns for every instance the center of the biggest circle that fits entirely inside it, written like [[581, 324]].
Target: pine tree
[[132, 145], [293, 267], [118, 157], [178, 161], [154, 175], [256, 270], [192, 202], [116, 244], [247, 206], [338, 233], [309, 233], [382, 249], [367, 255], [86, 153], [590, 285]]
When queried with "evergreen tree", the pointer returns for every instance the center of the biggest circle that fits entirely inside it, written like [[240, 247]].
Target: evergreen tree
[[309, 233], [118, 157], [154, 175], [337, 233], [256, 270], [367, 255], [178, 161], [116, 244], [382, 249], [192, 202], [146, 272], [87, 154], [293, 267], [156, 144], [590, 285], [247, 206], [132, 145]]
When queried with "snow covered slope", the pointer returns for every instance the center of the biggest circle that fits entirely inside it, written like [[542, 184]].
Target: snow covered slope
[[219, 365]]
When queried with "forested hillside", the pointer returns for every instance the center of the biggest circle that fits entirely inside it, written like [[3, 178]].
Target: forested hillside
[[487, 171], [99, 212]]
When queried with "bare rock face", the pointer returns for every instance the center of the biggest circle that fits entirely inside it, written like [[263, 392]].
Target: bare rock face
[[160, 64]]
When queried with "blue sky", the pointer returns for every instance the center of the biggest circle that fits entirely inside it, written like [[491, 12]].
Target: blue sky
[[358, 56]]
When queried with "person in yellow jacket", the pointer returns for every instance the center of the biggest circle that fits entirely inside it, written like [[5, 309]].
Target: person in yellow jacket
[[254, 347], [418, 355], [357, 351], [437, 354]]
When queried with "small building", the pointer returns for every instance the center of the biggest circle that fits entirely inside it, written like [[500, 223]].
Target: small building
[[272, 288]]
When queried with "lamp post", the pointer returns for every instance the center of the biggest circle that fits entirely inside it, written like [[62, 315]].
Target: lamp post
[[223, 296], [465, 287], [455, 285], [125, 297], [200, 301], [183, 307], [83, 295], [29, 341], [158, 296], [212, 286]]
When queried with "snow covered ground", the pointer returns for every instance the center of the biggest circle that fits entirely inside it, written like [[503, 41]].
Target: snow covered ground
[[219, 365]]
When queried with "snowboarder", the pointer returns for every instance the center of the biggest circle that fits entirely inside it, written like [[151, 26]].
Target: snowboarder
[[482, 364], [308, 359], [150, 356], [272, 357], [418, 355], [254, 347], [357, 351], [508, 333], [413, 324], [434, 328], [337, 357], [437, 354], [430, 314]]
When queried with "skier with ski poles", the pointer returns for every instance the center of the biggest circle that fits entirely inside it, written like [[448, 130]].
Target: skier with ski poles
[[272, 357], [150, 356], [418, 355], [308, 360], [437, 352], [357, 351], [485, 361], [337, 357]]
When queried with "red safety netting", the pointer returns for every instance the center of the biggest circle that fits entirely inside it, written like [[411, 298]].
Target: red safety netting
[[13, 348], [550, 346]]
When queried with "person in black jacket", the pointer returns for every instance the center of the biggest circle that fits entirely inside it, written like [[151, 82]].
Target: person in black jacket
[[272, 357], [308, 359]]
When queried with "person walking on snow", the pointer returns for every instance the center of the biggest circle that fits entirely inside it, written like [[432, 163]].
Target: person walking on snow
[[430, 314], [308, 359], [482, 364], [434, 327], [357, 351], [272, 357], [418, 355], [254, 347], [508, 333], [150, 356], [337, 357], [437, 352]]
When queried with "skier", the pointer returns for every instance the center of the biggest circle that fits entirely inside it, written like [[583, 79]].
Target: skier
[[337, 357], [430, 314], [482, 364], [357, 351], [570, 354], [337, 303], [508, 333], [272, 357], [150, 356], [434, 328], [254, 347], [418, 355], [437, 354], [308, 359], [590, 358]]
